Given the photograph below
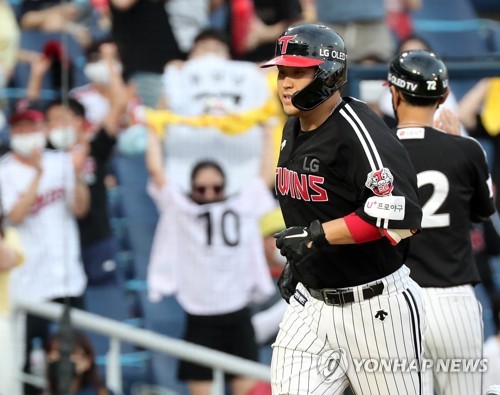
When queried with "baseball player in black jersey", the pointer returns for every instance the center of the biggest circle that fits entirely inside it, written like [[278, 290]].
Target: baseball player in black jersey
[[348, 194], [454, 190]]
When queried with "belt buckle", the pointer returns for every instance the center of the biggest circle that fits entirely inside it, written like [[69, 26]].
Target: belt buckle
[[328, 291]]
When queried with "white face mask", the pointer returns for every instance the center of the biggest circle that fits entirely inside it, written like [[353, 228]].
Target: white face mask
[[98, 72], [25, 144], [63, 138]]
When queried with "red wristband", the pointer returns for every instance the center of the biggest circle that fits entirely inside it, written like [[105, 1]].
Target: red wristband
[[360, 230]]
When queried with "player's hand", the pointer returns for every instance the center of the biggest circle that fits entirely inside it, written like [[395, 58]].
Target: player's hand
[[286, 283], [297, 242], [448, 122]]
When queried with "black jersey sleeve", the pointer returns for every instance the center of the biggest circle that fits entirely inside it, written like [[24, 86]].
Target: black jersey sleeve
[[383, 173], [481, 203]]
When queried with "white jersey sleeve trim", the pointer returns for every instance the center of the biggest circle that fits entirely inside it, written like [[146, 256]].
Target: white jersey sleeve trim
[[364, 137]]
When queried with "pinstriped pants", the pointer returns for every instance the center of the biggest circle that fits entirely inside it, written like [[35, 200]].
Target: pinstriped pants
[[454, 331], [322, 349]]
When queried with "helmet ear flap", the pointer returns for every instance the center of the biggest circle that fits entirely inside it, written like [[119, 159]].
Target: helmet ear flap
[[323, 86], [310, 96]]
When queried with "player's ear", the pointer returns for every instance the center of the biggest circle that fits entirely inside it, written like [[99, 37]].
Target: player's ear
[[396, 96], [443, 99]]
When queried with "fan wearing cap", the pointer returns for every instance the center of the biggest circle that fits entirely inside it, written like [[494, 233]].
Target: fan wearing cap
[[348, 194], [454, 191], [42, 197]]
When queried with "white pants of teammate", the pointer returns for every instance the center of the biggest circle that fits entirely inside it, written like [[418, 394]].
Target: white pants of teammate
[[322, 349], [454, 331]]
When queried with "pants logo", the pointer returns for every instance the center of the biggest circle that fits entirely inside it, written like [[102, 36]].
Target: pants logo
[[381, 314]]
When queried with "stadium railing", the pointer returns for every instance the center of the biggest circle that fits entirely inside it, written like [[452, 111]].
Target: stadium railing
[[119, 332]]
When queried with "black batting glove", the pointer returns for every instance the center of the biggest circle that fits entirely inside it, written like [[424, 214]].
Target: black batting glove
[[286, 283], [293, 242]]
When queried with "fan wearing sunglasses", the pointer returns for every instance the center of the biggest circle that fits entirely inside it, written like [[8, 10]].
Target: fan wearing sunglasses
[[208, 251], [207, 182]]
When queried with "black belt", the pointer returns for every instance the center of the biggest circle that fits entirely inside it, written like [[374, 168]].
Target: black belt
[[335, 297]]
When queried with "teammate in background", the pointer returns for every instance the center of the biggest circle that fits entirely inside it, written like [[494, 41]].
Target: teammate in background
[[444, 113], [454, 190], [209, 252], [348, 194]]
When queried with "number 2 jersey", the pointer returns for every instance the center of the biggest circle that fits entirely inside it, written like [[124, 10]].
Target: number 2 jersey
[[454, 190], [211, 256], [351, 163]]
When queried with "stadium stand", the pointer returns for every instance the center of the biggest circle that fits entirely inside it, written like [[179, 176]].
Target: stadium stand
[[457, 32], [165, 317]]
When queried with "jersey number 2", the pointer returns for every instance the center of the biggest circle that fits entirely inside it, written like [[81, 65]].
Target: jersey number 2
[[441, 188], [228, 218]]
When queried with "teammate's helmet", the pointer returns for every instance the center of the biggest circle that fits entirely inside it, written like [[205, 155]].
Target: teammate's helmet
[[419, 73], [308, 45]]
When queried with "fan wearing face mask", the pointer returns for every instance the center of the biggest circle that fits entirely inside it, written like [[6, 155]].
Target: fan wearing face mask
[[90, 152], [42, 196], [103, 69]]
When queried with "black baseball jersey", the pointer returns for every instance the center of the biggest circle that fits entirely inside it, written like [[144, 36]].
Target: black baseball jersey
[[351, 163], [454, 190]]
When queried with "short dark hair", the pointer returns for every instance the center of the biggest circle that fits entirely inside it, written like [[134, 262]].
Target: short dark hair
[[94, 48], [74, 106], [212, 33], [420, 101], [207, 164]]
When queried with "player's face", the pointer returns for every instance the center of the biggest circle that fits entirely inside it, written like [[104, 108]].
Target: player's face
[[290, 81], [208, 186]]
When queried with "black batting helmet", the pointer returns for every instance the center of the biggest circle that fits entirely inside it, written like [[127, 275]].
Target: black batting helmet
[[419, 73], [308, 45]]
